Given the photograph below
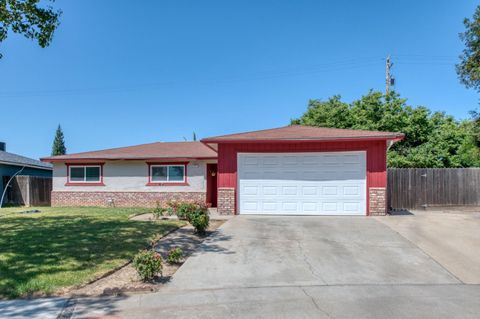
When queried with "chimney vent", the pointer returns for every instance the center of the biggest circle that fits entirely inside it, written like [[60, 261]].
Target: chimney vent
[[3, 146]]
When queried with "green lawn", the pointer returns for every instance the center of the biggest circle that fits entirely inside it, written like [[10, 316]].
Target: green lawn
[[61, 247]]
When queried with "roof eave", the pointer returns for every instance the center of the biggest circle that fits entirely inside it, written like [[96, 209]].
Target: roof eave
[[336, 139], [96, 159]]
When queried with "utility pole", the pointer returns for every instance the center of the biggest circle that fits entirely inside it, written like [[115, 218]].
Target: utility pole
[[389, 80]]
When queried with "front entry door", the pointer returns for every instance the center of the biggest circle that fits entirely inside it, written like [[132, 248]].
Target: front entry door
[[212, 185]]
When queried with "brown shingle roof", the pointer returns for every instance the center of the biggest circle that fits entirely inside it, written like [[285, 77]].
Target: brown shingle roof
[[300, 132], [158, 150]]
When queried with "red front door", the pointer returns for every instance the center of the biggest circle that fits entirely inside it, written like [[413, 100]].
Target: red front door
[[212, 185]]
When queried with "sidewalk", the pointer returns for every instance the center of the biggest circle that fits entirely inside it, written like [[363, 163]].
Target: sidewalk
[[43, 308]]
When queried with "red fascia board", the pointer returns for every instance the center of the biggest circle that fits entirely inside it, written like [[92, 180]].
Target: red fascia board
[[338, 139], [95, 160]]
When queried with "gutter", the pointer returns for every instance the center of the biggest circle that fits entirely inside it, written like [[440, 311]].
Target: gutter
[[336, 139], [86, 160], [26, 165]]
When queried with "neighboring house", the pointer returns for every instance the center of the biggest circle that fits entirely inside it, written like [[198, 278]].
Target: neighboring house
[[289, 170], [11, 163]]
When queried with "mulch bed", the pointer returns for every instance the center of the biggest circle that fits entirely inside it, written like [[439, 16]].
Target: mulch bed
[[126, 278]]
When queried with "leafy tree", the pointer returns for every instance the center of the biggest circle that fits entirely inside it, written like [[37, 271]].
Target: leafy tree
[[330, 113], [58, 147], [28, 18], [431, 140], [468, 69], [194, 137], [476, 126]]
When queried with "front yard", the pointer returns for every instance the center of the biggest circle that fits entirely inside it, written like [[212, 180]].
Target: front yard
[[41, 253]]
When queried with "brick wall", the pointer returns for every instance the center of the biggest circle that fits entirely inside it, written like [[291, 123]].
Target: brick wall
[[226, 200], [377, 200], [122, 199]]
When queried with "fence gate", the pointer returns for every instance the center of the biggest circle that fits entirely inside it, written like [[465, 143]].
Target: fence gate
[[410, 188]]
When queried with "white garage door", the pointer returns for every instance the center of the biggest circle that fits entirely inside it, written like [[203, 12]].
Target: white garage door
[[332, 183]]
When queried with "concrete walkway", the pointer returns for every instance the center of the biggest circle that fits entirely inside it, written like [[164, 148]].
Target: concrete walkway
[[302, 267]]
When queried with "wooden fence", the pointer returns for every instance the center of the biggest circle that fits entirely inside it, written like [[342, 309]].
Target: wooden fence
[[29, 191], [413, 188]]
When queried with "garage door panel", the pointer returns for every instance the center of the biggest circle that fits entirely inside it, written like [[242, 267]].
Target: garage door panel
[[309, 190], [351, 190], [303, 183], [272, 206], [330, 190], [351, 206], [330, 206], [270, 190]]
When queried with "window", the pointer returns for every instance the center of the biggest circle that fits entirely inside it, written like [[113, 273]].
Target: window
[[84, 174], [167, 173]]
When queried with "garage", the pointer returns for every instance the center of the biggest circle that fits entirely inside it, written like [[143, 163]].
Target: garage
[[303, 170], [316, 183]]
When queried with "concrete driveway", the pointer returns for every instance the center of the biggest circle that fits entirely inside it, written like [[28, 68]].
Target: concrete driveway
[[304, 267]]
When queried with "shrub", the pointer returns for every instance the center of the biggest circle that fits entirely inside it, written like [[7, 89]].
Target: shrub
[[175, 255], [200, 220], [195, 212], [160, 211], [184, 209], [148, 264]]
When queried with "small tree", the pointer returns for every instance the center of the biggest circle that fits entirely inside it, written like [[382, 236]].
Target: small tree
[[58, 147], [194, 138]]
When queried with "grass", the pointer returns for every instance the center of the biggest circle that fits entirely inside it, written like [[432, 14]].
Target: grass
[[62, 247]]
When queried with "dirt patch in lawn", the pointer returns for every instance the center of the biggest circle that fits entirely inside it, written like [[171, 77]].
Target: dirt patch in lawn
[[126, 278], [150, 216]]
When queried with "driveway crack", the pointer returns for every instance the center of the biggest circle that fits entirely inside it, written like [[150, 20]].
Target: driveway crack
[[309, 264], [316, 304]]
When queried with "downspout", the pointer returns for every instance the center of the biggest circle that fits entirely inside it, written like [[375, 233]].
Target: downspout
[[8, 183]]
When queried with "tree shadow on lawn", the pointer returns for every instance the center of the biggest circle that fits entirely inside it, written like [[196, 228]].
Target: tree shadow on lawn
[[46, 253]]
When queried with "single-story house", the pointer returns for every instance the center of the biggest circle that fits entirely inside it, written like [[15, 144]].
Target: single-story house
[[11, 164], [294, 170]]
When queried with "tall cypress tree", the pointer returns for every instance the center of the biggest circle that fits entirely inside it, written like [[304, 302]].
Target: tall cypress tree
[[58, 147]]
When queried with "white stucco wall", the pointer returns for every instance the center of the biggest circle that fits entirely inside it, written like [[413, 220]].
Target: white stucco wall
[[129, 176]]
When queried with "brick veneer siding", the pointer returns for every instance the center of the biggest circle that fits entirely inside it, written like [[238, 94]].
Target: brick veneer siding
[[122, 199], [226, 201], [377, 201]]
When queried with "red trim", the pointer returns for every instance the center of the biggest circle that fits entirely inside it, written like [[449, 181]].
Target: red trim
[[70, 183], [84, 184], [152, 183], [167, 184]]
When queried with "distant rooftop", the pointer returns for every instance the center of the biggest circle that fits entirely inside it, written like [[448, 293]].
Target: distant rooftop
[[18, 160]]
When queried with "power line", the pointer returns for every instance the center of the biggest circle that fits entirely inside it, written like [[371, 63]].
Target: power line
[[306, 70]]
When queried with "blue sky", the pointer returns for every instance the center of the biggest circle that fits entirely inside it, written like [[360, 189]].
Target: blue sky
[[122, 73]]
